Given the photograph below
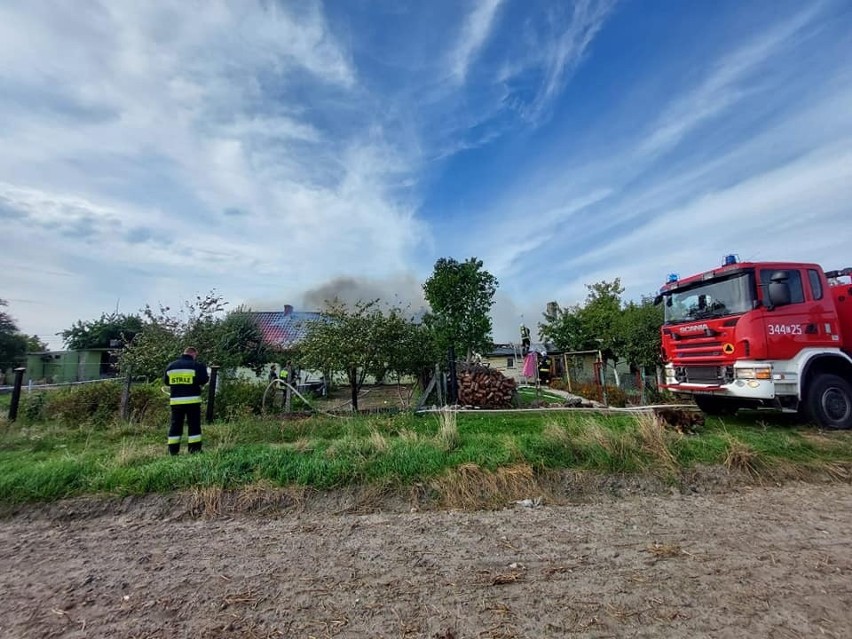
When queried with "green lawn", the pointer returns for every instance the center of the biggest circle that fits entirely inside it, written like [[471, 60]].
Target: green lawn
[[48, 461], [527, 396]]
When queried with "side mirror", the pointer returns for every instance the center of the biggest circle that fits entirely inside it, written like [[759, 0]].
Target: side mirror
[[779, 290]]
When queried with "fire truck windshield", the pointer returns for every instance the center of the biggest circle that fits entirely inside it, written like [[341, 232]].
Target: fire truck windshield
[[731, 295]]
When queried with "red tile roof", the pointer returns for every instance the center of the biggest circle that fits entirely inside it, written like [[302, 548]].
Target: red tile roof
[[284, 328]]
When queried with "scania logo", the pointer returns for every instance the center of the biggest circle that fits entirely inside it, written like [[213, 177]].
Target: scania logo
[[698, 328]]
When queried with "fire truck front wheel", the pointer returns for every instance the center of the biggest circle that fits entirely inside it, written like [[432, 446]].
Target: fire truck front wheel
[[830, 402], [712, 405]]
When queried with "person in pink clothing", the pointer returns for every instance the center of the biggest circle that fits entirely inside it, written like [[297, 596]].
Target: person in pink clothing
[[530, 365]]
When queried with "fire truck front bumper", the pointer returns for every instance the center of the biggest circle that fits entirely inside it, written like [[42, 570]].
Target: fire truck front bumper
[[744, 380]]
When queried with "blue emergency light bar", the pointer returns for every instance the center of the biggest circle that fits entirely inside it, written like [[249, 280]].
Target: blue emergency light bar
[[730, 259], [671, 278]]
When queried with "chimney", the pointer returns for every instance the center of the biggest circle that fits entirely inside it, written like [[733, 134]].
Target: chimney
[[288, 309]]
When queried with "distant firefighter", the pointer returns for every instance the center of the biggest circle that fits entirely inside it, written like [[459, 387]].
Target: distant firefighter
[[544, 368], [525, 340]]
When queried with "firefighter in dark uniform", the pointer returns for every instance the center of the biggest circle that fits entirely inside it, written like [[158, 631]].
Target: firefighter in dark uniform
[[185, 376], [544, 368], [525, 340]]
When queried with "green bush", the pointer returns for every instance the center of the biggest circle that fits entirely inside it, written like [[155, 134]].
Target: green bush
[[97, 404], [297, 404], [33, 407], [149, 405], [237, 398]]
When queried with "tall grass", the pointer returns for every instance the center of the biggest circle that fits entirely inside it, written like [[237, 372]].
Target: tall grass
[[467, 456], [448, 430]]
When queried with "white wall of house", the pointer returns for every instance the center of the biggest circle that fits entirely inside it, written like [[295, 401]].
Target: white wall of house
[[510, 366]]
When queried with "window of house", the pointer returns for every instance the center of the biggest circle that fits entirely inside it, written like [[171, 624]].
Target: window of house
[[816, 283], [510, 362], [794, 279]]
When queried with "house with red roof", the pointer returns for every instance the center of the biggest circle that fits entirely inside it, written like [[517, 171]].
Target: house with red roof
[[286, 328]]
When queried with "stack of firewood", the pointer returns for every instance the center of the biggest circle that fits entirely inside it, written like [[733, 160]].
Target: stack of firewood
[[485, 388]]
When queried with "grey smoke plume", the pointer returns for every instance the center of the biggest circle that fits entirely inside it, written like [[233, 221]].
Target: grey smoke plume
[[406, 292], [507, 317], [403, 291]]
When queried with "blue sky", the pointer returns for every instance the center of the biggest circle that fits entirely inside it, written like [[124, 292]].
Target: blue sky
[[279, 151]]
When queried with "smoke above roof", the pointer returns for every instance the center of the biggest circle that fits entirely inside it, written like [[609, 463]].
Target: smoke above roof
[[405, 292]]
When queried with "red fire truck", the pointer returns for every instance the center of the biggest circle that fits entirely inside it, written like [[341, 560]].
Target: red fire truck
[[752, 334]]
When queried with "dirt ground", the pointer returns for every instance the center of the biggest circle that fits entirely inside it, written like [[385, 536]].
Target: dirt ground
[[759, 562]]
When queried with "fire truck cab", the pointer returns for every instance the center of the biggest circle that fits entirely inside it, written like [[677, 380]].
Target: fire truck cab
[[752, 334]]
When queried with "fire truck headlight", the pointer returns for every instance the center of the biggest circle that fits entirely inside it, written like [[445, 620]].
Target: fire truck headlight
[[758, 372]]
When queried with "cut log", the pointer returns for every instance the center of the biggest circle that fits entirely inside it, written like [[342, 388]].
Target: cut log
[[485, 388]]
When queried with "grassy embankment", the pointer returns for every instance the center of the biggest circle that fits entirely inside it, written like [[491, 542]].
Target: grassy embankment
[[51, 460]]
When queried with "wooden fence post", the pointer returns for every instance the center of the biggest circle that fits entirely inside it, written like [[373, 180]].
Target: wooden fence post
[[211, 393], [125, 396], [16, 393]]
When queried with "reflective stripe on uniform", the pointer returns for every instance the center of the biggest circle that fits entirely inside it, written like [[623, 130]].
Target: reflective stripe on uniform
[[194, 439], [180, 376], [174, 440], [179, 401]]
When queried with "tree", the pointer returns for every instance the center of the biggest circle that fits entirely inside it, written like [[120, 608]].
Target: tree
[[594, 325], [411, 349], [13, 343], [150, 351], [35, 344], [362, 340], [621, 332], [102, 332], [640, 328], [230, 339], [566, 330], [238, 342], [460, 295], [601, 317]]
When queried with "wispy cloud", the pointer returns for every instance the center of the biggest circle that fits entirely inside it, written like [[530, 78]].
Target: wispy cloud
[[477, 27], [782, 214], [554, 49], [522, 235], [726, 83], [564, 52], [483, 93]]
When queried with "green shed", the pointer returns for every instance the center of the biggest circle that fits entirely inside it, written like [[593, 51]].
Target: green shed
[[62, 367]]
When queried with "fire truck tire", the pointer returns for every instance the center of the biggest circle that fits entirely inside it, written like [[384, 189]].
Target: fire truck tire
[[830, 402], [712, 405]]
